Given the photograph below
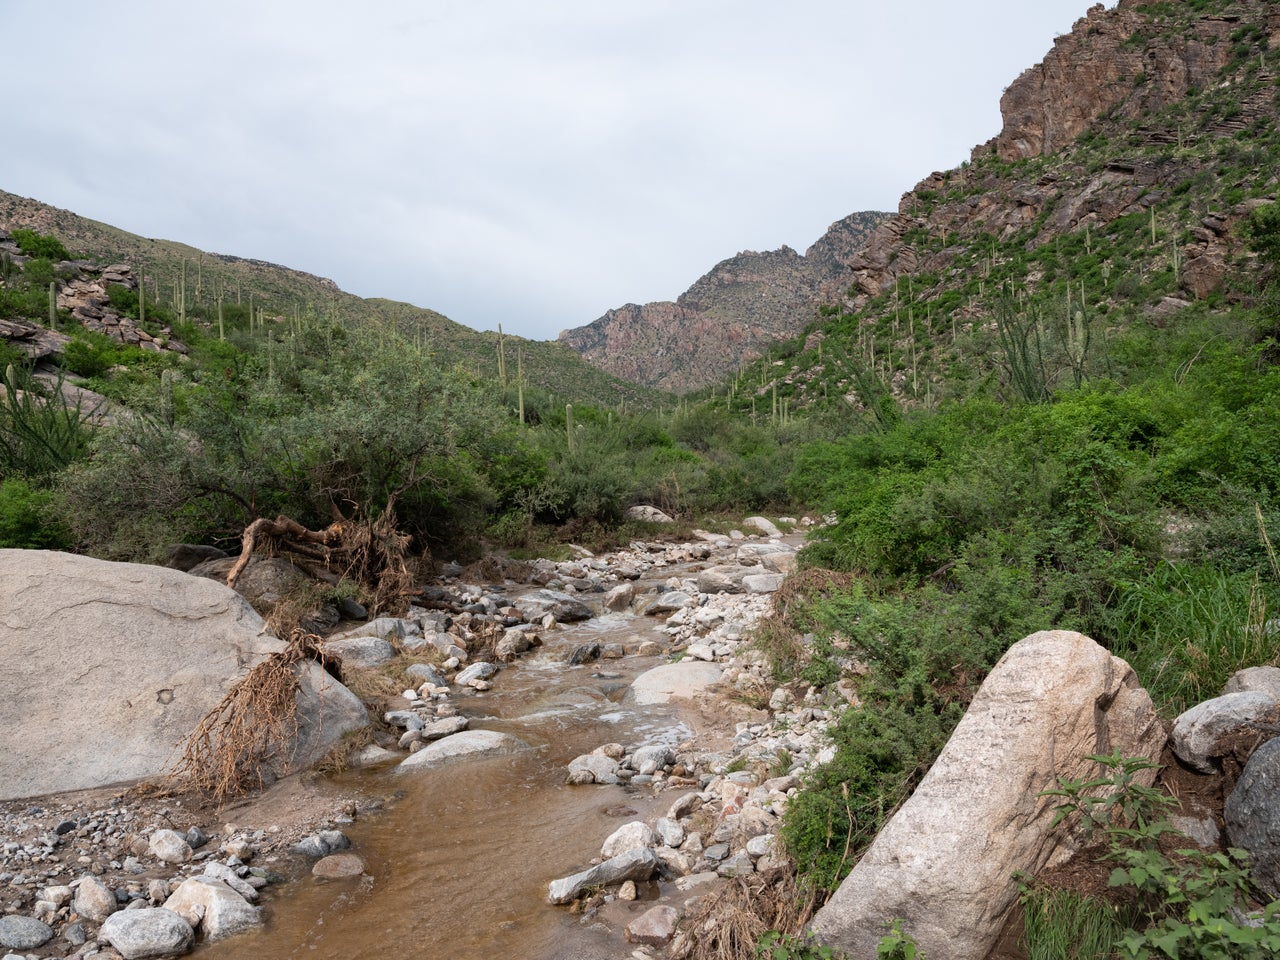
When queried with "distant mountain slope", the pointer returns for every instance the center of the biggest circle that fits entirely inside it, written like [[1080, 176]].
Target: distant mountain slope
[[728, 316], [1115, 198], [282, 290]]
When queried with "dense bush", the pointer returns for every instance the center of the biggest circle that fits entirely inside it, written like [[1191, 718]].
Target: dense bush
[[39, 245]]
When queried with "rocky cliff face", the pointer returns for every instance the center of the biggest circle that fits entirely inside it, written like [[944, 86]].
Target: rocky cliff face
[[1116, 63], [730, 315], [1125, 78]]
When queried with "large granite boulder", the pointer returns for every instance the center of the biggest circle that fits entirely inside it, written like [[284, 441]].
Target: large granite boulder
[[1252, 816], [945, 863], [144, 653]]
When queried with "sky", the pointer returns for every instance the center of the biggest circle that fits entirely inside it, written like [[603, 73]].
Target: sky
[[530, 164]]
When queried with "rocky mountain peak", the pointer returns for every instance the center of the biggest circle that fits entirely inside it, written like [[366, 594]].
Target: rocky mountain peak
[[730, 315], [1116, 62]]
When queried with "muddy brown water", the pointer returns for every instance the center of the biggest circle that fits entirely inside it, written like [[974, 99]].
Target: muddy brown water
[[461, 859]]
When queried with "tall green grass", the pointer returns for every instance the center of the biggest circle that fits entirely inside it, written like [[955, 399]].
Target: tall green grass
[[1186, 628]]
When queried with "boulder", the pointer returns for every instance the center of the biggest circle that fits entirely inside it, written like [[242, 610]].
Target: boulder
[[264, 582], [338, 866], [669, 602], [761, 525], [673, 681], [945, 862], [1259, 679], [93, 899], [24, 933], [477, 671], [636, 835], [169, 846], [763, 582], [1252, 815], [564, 607], [469, 745], [215, 908], [149, 932], [1209, 731], [593, 768], [147, 652], [655, 927], [361, 651], [724, 579], [647, 514], [638, 864]]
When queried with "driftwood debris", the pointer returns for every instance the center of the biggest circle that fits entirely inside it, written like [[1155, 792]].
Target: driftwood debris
[[367, 551]]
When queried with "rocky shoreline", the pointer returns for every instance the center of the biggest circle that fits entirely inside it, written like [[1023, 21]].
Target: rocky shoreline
[[67, 864]]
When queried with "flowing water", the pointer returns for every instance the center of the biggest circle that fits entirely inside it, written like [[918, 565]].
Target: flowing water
[[461, 859]]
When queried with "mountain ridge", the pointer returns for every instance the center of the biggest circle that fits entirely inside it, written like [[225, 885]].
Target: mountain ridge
[[728, 316]]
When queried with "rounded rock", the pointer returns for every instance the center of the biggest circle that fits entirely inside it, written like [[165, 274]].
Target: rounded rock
[[24, 933], [147, 932], [338, 866]]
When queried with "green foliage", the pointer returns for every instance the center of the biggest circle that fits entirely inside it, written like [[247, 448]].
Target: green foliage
[[41, 433], [39, 245], [1187, 627], [38, 272], [1064, 925], [783, 946], [26, 518], [897, 944], [1191, 904]]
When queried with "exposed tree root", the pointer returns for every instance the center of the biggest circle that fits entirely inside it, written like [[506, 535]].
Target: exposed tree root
[[246, 735], [368, 551]]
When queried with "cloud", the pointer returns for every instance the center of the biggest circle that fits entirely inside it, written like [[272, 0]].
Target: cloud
[[529, 164]]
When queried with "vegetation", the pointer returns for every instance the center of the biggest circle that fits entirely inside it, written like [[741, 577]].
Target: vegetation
[[1190, 904], [1049, 426]]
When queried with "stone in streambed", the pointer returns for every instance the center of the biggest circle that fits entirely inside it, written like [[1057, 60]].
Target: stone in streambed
[[24, 933], [338, 866], [215, 908], [148, 932], [469, 745], [638, 864]]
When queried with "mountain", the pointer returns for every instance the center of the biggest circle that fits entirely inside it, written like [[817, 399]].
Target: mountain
[[1117, 196], [727, 317], [283, 291]]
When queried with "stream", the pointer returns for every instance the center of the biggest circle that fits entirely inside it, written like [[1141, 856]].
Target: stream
[[461, 857]]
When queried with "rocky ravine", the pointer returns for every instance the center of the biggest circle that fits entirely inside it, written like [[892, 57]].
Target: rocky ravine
[[730, 315], [171, 874]]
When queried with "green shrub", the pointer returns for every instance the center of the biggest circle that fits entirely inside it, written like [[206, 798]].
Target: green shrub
[[26, 518], [39, 245]]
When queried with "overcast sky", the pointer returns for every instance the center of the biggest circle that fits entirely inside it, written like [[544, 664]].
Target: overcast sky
[[525, 163]]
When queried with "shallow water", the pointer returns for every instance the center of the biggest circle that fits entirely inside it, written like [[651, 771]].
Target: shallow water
[[461, 860]]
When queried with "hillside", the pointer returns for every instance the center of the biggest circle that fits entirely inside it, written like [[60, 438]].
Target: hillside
[[729, 316], [286, 292], [1115, 196]]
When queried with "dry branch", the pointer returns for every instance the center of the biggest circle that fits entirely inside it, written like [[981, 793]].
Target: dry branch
[[244, 736]]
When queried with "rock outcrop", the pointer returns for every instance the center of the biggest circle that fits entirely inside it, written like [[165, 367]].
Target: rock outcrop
[[143, 652], [730, 315], [945, 862]]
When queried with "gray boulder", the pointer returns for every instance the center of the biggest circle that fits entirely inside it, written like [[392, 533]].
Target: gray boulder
[[946, 861], [477, 671], [638, 864], [93, 899], [149, 932], [468, 745], [361, 651], [593, 768], [1207, 732], [564, 607], [24, 933], [761, 525], [147, 652], [1252, 815], [673, 681], [1260, 679], [208, 903]]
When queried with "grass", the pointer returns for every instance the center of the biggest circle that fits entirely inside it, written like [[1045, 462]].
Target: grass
[[1186, 629], [1066, 925]]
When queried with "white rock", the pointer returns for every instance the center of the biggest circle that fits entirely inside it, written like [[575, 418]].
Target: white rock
[[170, 846], [636, 835], [147, 932], [215, 908]]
